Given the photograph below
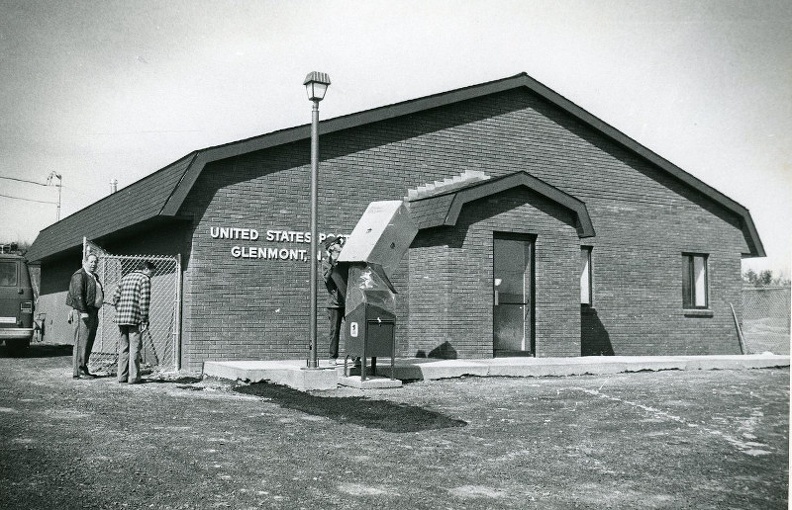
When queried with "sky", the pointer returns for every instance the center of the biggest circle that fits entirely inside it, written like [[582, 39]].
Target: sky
[[101, 90]]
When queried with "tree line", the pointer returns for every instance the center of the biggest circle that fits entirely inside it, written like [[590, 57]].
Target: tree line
[[764, 279]]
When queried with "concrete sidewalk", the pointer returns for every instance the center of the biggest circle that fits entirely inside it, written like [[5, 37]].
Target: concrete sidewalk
[[292, 372]]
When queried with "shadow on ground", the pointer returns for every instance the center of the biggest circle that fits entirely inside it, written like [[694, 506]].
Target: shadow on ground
[[378, 414], [38, 351]]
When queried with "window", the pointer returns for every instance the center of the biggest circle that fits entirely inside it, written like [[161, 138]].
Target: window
[[585, 275], [8, 274], [694, 281]]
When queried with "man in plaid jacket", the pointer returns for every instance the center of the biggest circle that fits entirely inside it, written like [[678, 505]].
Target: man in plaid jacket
[[131, 300]]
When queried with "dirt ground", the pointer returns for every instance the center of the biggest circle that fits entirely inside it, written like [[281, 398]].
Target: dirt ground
[[703, 440]]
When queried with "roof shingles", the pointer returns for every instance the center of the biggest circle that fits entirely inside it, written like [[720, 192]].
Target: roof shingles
[[134, 204]]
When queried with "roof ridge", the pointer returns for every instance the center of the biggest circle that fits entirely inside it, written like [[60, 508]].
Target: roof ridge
[[202, 157]]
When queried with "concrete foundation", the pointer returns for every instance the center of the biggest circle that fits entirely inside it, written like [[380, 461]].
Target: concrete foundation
[[371, 382], [292, 373]]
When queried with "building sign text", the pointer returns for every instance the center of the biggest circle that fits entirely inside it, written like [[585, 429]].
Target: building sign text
[[267, 252]]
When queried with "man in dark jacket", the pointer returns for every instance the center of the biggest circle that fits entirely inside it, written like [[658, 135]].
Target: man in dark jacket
[[85, 297], [335, 302]]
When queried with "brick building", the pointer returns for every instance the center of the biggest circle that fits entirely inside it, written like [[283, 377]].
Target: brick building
[[543, 231]]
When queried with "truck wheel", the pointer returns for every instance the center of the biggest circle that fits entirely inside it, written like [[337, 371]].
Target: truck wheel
[[18, 347]]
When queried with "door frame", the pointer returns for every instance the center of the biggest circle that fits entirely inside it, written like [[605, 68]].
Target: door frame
[[531, 319]]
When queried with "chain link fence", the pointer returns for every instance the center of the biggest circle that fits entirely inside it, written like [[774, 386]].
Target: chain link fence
[[160, 352], [766, 319]]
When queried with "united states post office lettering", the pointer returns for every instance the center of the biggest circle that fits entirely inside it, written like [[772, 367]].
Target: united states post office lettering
[[279, 235], [273, 235]]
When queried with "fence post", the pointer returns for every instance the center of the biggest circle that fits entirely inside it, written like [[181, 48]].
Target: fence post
[[739, 330], [177, 325]]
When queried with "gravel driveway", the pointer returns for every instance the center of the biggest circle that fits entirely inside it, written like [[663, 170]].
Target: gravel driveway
[[714, 439]]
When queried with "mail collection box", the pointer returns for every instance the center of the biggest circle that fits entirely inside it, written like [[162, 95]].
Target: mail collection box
[[365, 267], [370, 317]]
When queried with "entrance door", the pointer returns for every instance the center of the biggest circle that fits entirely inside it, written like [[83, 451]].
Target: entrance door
[[513, 288]]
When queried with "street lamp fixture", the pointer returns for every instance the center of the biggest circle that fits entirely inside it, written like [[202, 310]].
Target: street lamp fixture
[[316, 85]]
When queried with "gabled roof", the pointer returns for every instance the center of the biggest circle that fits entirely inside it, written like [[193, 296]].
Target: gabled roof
[[128, 208], [176, 180], [442, 209]]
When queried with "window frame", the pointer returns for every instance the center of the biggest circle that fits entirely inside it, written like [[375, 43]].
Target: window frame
[[13, 282], [589, 275], [689, 292]]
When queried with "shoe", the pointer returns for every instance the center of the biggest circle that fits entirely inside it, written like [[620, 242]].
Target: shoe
[[333, 361], [85, 371], [122, 382], [357, 370], [76, 376], [136, 381]]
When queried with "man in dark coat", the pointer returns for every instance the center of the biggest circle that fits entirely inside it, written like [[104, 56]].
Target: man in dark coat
[[335, 302], [85, 297]]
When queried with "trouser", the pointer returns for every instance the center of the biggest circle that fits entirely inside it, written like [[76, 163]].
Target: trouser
[[84, 336], [129, 353], [335, 315]]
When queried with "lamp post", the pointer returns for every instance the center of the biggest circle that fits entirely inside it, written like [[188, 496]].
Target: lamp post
[[316, 85]]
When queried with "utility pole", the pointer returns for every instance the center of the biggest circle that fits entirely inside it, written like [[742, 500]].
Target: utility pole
[[60, 187]]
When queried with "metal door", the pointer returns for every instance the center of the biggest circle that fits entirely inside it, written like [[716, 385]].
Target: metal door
[[512, 289]]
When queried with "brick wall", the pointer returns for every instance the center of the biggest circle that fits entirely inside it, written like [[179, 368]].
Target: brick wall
[[644, 219], [451, 272]]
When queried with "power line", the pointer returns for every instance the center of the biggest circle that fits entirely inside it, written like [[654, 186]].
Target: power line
[[95, 196], [27, 199], [22, 180], [70, 188]]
